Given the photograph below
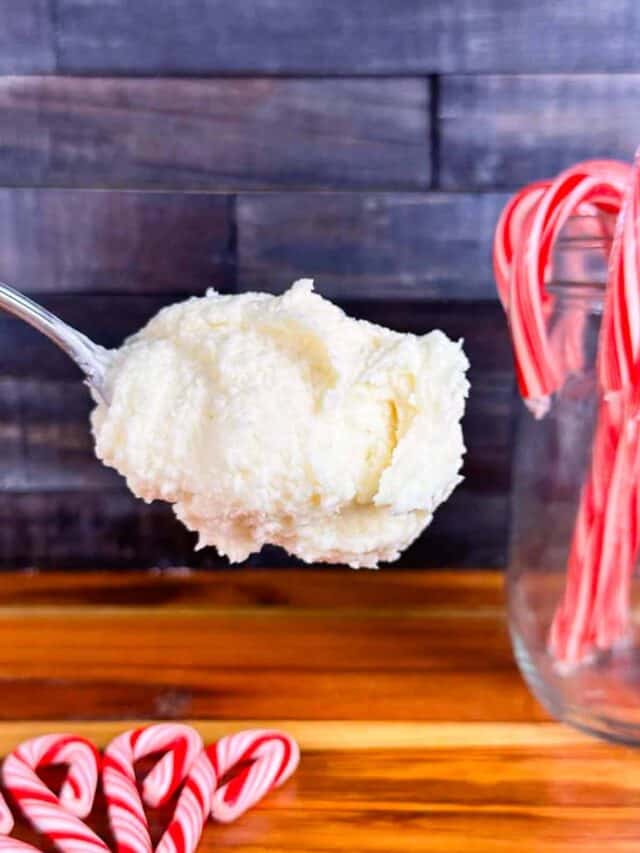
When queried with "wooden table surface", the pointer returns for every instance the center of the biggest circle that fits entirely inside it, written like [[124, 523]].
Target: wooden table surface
[[416, 730]]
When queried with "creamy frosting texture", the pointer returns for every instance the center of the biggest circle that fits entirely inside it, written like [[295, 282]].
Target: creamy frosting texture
[[279, 419]]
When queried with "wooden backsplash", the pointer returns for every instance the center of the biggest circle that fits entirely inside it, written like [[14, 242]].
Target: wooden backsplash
[[151, 149]]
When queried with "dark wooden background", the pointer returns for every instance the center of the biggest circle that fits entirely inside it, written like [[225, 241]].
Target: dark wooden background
[[152, 148]]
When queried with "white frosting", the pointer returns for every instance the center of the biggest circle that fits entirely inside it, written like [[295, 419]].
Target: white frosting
[[279, 419]]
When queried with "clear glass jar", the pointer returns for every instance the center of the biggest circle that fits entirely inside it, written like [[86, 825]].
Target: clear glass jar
[[552, 455]]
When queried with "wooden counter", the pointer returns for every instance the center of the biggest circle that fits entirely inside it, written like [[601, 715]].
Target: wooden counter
[[416, 729]]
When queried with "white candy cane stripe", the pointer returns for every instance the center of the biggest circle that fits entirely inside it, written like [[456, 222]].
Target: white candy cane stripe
[[192, 809], [263, 758], [56, 817], [127, 819], [12, 845], [6, 818]]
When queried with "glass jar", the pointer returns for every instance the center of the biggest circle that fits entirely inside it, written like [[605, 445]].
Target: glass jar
[[551, 461]]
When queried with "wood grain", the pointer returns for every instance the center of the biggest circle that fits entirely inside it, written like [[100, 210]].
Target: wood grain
[[106, 318], [473, 524], [109, 318], [417, 732], [43, 528], [386, 245], [493, 401], [46, 441], [303, 36], [335, 655], [77, 528], [110, 241], [538, 791], [572, 117], [27, 37], [348, 735], [338, 589], [411, 740], [448, 787], [393, 246], [214, 134]]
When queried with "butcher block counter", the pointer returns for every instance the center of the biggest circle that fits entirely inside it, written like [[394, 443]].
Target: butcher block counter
[[417, 732]]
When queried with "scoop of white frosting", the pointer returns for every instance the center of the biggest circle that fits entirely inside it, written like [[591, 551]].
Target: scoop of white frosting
[[279, 419]]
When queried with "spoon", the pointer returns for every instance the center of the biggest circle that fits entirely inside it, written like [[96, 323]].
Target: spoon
[[90, 357]]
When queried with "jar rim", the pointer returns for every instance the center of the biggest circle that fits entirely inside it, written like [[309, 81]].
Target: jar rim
[[586, 234], [578, 289], [575, 231]]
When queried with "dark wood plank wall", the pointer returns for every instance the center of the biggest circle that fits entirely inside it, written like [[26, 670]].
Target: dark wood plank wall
[[149, 150]]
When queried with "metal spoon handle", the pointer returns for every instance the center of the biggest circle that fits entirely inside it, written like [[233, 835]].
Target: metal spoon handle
[[89, 356]]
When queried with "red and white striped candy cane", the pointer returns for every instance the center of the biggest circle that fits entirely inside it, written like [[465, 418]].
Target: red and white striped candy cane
[[181, 744], [619, 373], [12, 845], [192, 809], [183, 762], [508, 234], [56, 817], [612, 546], [264, 759], [619, 352], [6, 817], [573, 633], [525, 236], [595, 607]]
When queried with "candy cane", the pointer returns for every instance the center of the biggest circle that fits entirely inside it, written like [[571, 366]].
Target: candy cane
[[263, 760], [56, 817], [12, 845], [509, 232], [6, 817], [182, 762], [543, 208], [618, 363], [594, 610], [613, 543], [620, 337], [192, 809], [528, 303], [573, 633]]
